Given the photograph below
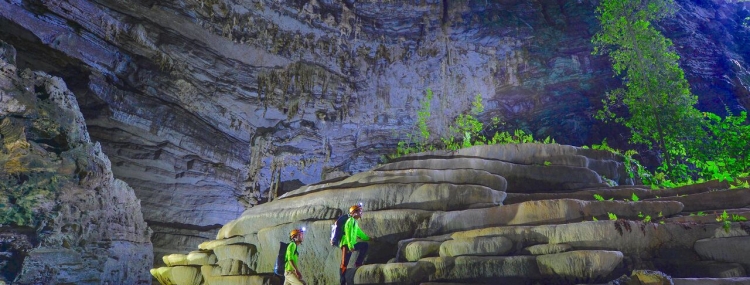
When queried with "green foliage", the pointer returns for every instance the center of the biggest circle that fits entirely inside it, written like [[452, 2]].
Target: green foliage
[[20, 200], [740, 184], [738, 218], [421, 141], [612, 216], [600, 198], [422, 116], [634, 198], [466, 131], [646, 218], [726, 220], [633, 167], [656, 93], [547, 163], [695, 146], [468, 128], [723, 153]]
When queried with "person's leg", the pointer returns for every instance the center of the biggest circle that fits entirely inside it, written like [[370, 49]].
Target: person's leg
[[345, 255], [361, 248], [291, 279]]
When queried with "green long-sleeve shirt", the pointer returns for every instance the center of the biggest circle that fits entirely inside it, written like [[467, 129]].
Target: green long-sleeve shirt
[[351, 233], [291, 255]]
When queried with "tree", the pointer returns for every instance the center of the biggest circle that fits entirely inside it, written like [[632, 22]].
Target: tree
[[656, 93]]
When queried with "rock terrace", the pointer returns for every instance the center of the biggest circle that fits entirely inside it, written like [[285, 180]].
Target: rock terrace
[[490, 215]]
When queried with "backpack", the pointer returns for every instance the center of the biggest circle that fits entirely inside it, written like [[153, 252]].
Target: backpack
[[337, 230], [278, 269]]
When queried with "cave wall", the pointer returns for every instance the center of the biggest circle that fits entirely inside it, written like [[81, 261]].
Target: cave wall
[[205, 105], [64, 218]]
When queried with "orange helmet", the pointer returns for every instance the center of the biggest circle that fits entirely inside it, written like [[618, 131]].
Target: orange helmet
[[355, 208], [295, 232]]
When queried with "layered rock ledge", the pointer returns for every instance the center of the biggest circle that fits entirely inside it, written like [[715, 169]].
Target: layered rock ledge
[[445, 218]]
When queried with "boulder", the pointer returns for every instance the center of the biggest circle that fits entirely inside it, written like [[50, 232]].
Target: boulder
[[326, 204], [234, 267], [521, 178], [251, 222], [393, 273], [713, 200], [175, 259], [541, 249], [544, 212], [201, 258], [643, 277], [210, 271], [579, 265], [420, 249], [510, 269], [635, 239], [178, 275], [265, 279], [729, 249], [413, 176], [486, 245], [605, 163]]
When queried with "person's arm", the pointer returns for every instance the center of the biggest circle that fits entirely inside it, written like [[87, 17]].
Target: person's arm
[[296, 270], [350, 235], [361, 234]]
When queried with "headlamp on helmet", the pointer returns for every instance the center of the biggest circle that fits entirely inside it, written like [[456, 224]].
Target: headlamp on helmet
[[296, 232], [355, 208]]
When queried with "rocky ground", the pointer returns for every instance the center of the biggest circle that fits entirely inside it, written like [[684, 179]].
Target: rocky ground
[[502, 214], [64, 219]]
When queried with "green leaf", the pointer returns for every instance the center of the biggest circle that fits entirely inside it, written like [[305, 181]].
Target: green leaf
[[634, 198], [598, 197], [612, 216], [738, 218]]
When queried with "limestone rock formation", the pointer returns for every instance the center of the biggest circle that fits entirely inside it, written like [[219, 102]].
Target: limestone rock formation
[[64, 219], [449, 228], [207, 106]]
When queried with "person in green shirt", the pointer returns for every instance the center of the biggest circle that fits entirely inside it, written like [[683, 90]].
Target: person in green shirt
[[349, 242], [292, 275]]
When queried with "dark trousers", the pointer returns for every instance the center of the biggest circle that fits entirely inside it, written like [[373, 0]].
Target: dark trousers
[[346, 254]]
